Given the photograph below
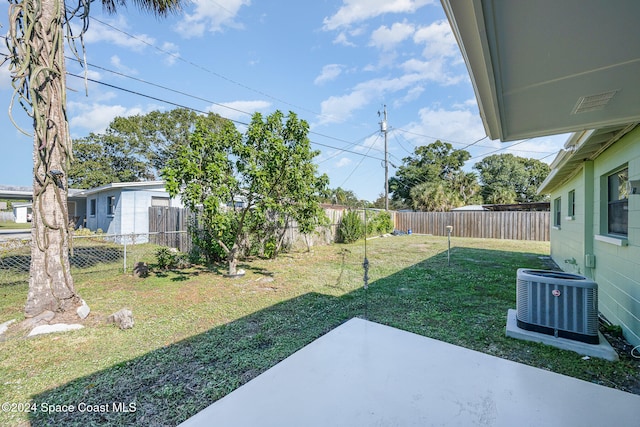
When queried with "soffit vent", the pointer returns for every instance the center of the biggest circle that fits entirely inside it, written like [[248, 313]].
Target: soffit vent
[[593, 102]]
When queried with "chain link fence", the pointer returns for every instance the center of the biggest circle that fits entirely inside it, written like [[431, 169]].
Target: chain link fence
[[89, 253]]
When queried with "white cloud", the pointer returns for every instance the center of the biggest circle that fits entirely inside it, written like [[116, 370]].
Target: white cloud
[[5, 77], [99, 32], [342, 39], [329, 72], [237, 110], [353, 11], [374, 142], [386, 38], [211, 16], [412, 94], [438, 40], [80, 85], [469, 103], [117, 63], [172, 52], [435, 70], [338, 109], [458, 126], [96, 117], [344, 161]]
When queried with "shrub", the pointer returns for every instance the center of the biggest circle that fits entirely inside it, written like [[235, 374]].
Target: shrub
[[351, 227], [379, 223], [170, 258], [205, 238]]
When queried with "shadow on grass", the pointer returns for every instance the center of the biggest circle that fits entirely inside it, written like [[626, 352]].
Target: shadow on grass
[[464, 303]]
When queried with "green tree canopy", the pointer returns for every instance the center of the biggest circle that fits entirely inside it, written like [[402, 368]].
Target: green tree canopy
[[506, 178], [431, 164], [133, 148], [270, 171], [340, 196]]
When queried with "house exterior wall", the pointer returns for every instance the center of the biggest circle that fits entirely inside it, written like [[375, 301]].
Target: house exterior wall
[[20, 213], [568, 240], [101, 219], [79, 215], [135, 209], [617, 260], [131, 214]]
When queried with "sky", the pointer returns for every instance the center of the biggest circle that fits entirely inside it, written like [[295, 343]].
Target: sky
[[335, 63]]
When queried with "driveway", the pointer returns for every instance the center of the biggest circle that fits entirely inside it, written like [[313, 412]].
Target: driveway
[[14, 234]]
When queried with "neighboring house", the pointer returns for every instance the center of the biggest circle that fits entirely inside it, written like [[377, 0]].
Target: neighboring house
[[123, 207], [547, 67], [76, 207], [22, 212]]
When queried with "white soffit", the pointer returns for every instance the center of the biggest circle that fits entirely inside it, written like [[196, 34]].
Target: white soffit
[[546, 67]]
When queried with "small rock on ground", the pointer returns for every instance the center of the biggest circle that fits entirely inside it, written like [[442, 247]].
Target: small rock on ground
[[83, 311], [56, 327], [4, 326], [123, 318]]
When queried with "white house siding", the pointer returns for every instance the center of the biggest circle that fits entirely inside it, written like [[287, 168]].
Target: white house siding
[[617, 266], [20, 212], [135, 209]]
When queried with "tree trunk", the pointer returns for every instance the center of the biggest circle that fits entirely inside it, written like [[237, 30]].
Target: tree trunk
[[50, 283], [232, 258]]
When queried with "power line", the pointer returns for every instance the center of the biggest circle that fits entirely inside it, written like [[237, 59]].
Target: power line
[[207, 70], [461, 143], [133, 92], [209, 101], [500, 149], [353, 144], [357, 166]]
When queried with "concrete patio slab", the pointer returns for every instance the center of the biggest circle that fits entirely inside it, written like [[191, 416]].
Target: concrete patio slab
[[602, 350], [366, 374]]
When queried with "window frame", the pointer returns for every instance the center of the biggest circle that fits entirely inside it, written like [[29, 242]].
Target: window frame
[[93, 203], [111, 205], [557, 212], [620, 204], [571, 204]]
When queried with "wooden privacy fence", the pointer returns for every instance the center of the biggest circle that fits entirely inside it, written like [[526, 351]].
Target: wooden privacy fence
[[482, 224], [164, 225], [165, 222], [513, 225]]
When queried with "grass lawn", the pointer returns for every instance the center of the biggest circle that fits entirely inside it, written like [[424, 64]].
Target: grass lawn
[[10, 225], [198, 336]]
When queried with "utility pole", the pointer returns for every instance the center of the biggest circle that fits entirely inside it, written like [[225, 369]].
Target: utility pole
[[383, 129]]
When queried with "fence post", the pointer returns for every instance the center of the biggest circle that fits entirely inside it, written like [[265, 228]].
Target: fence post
[[124, 265]]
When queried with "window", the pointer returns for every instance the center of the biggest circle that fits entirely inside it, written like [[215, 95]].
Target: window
[[111, 205], [556, 212], [92, 207], [160, 201], [618, 202], [572, 204]]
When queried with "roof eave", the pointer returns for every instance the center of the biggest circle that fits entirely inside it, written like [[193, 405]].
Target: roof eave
[[468, 26]]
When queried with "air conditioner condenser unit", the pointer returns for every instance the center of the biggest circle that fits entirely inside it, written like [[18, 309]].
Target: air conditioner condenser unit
[[557, 303]]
